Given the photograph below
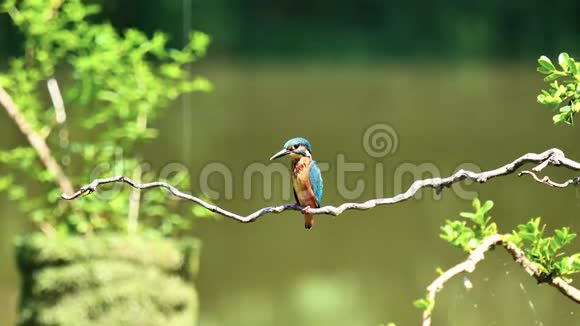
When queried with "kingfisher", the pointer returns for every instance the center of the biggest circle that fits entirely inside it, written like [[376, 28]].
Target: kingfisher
[[306, 177]]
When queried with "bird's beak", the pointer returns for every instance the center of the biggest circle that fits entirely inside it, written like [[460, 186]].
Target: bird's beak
[[281, 153]]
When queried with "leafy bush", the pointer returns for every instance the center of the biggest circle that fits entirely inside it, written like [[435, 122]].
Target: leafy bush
[[116, 83], [70, 280]]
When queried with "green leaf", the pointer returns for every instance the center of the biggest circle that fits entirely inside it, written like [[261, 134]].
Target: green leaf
[[563, 60], [545, 62], [16, 192], [6, 181], [553, 76], [565, 109], [572, 66], [171, 70], [199, 42], [424, 304], [559, 118], [563, 236], [544, 71], [487, 206], [467, 215], [476, 204]]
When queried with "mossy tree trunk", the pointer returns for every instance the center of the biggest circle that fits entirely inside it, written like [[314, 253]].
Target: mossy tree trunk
[[107, 280]]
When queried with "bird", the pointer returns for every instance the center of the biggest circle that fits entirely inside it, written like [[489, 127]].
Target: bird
[[306, 177]]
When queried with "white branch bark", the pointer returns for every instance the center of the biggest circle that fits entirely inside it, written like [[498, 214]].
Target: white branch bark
[[550, 157]]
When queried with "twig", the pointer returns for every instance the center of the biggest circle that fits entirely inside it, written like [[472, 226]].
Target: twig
[[477, 255], [549, 182], [550, 157], [36, 141]]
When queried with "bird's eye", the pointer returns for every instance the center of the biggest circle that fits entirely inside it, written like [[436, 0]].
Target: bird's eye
[[295, 147]]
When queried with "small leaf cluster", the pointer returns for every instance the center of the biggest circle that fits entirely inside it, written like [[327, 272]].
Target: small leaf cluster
[[113, 85], [546, 251], [564, 87], [468, 236]]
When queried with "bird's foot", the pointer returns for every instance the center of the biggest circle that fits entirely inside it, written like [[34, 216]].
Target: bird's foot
[[306, 209]]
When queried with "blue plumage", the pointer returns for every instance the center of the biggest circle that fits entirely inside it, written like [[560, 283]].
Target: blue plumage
[[316, 182], [299, 141]]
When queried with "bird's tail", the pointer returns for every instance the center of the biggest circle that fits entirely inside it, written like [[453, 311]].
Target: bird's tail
[[308, 220]]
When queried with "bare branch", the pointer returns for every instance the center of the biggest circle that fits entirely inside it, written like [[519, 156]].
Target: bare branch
[[477, 255], [36, 141], [177, 193], [564, 287], [550, 157], [549, 182]]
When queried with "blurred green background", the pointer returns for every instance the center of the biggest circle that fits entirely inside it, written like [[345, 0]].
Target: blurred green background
[[457, 82]]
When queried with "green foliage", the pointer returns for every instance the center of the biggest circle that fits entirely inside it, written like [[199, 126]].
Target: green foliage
[[91, 280], [564, 87], [468, 237], [113, 85], [546, 252]]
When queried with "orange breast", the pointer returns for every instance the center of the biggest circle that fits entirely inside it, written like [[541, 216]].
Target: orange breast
[[301, 183]]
